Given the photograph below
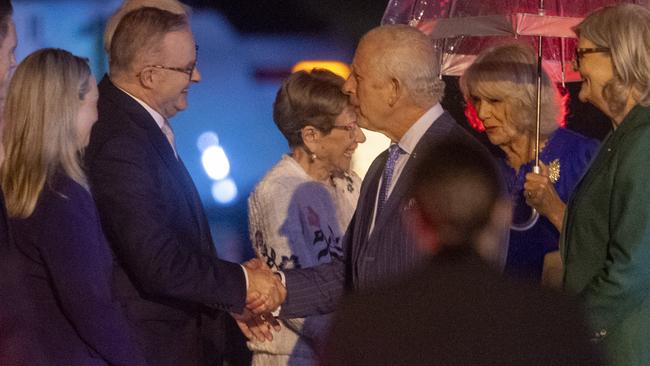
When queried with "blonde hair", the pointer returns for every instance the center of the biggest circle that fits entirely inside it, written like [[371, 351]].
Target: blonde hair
[[508, 72], [40, 133], [625, 30], [407, 54], [172, 6]]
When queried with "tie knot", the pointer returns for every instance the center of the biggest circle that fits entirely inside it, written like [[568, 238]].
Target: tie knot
[[394, 150]]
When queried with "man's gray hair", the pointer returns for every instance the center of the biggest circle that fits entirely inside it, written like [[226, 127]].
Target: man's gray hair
[[140, 34], [409, 56]]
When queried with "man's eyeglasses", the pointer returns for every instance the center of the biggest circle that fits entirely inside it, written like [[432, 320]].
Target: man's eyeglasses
[[350, 127], [583, 51], [189, 71]]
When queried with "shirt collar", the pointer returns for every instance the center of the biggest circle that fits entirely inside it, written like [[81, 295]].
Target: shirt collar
[[415, 133], [160, 120]]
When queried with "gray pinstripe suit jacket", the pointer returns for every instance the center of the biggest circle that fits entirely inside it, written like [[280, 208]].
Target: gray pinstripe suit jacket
[[369, 259]]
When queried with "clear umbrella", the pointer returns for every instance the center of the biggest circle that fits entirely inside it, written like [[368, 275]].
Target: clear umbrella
[[461, 29]]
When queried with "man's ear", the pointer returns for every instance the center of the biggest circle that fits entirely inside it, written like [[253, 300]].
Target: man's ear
[[147, 77], [395, 92], [424, 233]]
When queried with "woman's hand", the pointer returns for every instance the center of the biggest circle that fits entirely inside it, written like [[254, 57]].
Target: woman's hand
[[540, 194]]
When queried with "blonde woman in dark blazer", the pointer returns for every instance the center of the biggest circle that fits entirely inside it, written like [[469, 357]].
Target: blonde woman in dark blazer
[[64, 267]]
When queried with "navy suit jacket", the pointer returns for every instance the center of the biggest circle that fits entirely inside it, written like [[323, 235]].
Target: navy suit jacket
[[371, 258], [169, 276], [59, 292]]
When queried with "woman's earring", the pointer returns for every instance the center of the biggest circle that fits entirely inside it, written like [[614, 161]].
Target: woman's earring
[[313, 157]]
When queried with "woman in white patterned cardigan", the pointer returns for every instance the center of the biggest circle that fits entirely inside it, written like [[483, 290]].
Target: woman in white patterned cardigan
[[299, 211]]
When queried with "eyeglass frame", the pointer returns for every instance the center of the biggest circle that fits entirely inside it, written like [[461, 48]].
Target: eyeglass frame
[[583, 51], [350, 127], [189, 71]]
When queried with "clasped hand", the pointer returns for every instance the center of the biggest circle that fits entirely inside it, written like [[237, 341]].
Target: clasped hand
[[264, 295], [541, 195]]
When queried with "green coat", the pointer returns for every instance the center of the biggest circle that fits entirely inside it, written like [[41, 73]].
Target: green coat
[[606, 241]]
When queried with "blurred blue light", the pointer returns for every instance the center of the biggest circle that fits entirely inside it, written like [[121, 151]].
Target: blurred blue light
[[224, 191], [206, 140], [215, 162]]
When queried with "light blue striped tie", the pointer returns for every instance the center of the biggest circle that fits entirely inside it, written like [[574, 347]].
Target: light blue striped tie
[[393, 153]]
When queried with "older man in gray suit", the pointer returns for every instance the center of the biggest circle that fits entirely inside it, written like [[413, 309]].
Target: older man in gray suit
[[395, 87]]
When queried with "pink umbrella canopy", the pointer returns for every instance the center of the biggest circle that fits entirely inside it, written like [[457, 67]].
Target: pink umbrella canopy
[[462, 28]]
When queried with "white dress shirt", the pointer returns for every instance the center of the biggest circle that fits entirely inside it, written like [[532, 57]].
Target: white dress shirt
[[407, 145], [160, 120]]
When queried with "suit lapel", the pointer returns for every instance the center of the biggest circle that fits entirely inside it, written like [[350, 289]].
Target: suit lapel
[[366, 205], [161, 145], [438, 131], [181, 176], [600, 162], [197, 206]]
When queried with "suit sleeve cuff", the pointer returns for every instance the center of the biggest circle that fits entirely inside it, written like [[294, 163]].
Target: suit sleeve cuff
[[245, 276], [280, 274]]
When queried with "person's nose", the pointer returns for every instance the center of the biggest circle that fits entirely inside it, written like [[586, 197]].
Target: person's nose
[[349, 86], [196, 75], [359, 136], [482, 110]]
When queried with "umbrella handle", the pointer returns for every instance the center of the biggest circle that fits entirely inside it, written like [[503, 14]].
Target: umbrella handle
[[534, 216]]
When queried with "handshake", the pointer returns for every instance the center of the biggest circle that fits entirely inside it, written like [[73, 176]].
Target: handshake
[[265, 294]]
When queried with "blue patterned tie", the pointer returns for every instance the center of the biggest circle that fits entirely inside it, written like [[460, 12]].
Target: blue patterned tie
[[393, 153]]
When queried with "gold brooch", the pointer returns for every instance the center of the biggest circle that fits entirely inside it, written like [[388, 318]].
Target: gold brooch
[[554, 171]]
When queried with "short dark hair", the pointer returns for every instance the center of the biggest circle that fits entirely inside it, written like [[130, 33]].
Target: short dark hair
[[306, 98], [456, 187], [140, 32], [6, 11]]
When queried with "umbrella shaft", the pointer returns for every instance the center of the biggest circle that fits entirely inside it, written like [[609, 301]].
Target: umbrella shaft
[[539, 98]]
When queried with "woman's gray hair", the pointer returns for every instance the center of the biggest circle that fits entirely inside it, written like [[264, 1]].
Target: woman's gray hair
[[508, 72], [305, 98], [625, 30], [412, 60]]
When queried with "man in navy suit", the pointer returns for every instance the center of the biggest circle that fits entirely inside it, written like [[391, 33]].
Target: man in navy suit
[[169, 278], [395, 87]]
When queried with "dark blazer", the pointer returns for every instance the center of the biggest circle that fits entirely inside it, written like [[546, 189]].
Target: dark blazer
[[369, 259], [457, 311], [61, 303], [18, 345], [4, 226], [170, 276], [606, 241]]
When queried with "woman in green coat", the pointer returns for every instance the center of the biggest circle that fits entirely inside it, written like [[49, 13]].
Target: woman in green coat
[[606, 240]]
